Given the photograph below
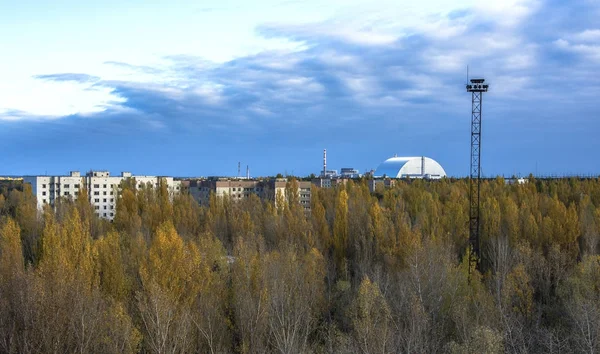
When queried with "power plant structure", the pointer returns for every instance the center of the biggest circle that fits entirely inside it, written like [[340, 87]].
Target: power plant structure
[[476, 87], [410, 167], [327, 173]]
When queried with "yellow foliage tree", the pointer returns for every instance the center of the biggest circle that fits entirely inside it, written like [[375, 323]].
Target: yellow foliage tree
[[371, 317], [340, 229]]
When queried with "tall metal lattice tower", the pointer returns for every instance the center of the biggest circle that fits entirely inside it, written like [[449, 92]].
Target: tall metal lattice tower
[[477, 88]]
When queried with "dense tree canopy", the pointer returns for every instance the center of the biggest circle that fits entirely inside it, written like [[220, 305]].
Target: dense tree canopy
[[382, 272]]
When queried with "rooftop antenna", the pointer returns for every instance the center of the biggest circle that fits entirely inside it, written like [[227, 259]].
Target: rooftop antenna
[[476, 87]]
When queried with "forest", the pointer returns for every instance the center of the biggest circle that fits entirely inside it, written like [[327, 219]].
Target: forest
[[382, 272]]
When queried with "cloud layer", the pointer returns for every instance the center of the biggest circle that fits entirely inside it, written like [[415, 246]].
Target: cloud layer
[[364, 84]]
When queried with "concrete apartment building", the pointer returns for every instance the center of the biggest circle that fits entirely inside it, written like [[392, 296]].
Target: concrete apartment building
[[103, 189], [238, 189], [329, 182]]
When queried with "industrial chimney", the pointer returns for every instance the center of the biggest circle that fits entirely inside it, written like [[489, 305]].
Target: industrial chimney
[[247, 171], [324, 162]]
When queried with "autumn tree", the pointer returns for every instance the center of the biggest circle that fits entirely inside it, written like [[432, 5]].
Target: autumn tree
[[166, 297], [340, 231], [371, 317]]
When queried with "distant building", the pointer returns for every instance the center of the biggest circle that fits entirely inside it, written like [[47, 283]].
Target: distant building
[[329, 174], [349, 172], [103, 189], [380, 184], [516, 180], [410, 167], [239, 189], [328, 182]]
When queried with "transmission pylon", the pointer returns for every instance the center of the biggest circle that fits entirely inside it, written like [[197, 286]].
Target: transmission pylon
[[477, 88]]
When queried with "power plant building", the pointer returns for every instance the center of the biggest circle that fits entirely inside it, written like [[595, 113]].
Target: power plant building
[[410, 167]]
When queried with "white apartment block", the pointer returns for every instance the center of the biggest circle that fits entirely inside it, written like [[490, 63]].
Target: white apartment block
[[103, 189]]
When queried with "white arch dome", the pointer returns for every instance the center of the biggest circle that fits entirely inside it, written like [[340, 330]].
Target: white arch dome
[[413, 167]]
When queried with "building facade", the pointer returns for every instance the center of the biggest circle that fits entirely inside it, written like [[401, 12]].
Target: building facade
[[102, 188], [349, 172], [239, 189], [329, 182], [380, 184]]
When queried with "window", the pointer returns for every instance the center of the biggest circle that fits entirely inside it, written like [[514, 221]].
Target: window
[[104, 200], [76, 193], [105, 207], [104, 187], [97, 207], [111, 193], [44, 193], [96, 193], [96, 200], [96, 186], [104, 193], [112, 214], [112, 207], [66, 193], [77, 186], [44, 201], [67, 186], [43, 186], [104, 214], [112, 200], [112, 186]]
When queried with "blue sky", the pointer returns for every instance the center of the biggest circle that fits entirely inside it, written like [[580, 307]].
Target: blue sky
[[190, 88]]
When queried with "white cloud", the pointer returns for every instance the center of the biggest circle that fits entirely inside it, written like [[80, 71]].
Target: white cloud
[[449, 35], [360, 86], [54, 99], [589, 51], [519, 61], [589, 35], [211, 93], [507, 13], [508, 85], [301, 84]]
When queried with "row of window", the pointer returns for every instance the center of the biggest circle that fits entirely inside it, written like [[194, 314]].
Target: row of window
[[97, 200], [76, 186], [97, 207], [103, 186], [257, 189], [65, 193]]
